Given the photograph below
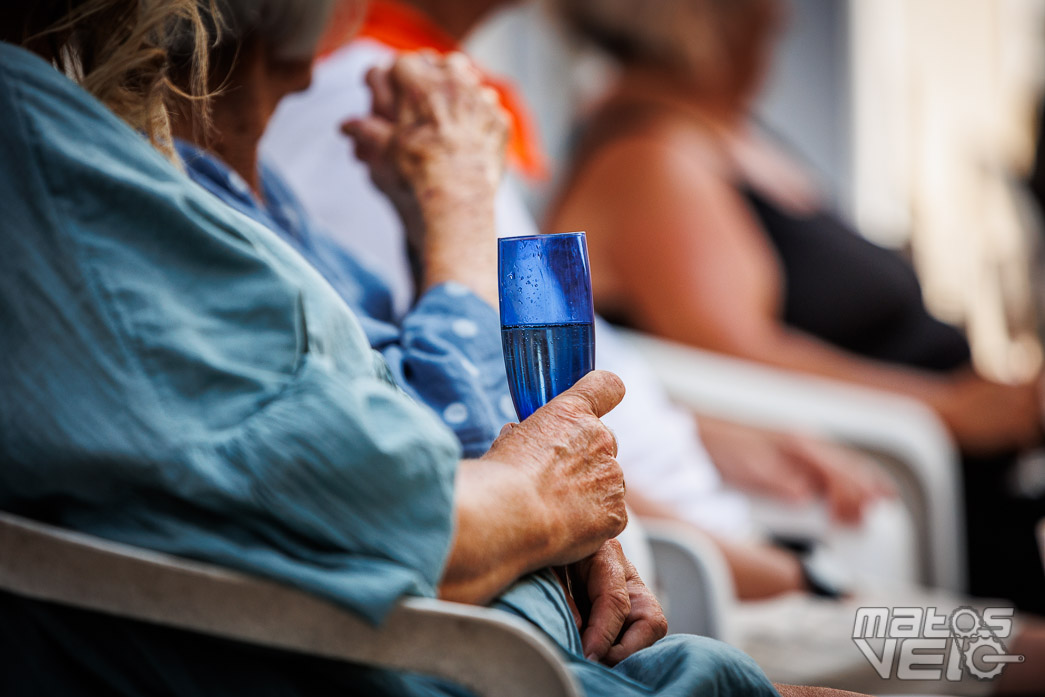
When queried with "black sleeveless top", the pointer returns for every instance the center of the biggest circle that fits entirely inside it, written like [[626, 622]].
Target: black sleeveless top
[[845, 290], [838, 286]]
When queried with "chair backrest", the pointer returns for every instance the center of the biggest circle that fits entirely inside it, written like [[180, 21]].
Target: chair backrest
[[905, 432], [695, 585], [487, 651]]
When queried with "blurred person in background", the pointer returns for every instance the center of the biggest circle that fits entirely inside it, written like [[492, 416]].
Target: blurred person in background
[[704, 231], [668, 471], [225, 160], [178, 378], [304, 144]]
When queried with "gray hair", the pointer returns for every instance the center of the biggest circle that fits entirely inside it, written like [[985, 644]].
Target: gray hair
[[293, 28]]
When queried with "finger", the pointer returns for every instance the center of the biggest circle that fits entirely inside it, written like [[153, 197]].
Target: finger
[[849, 487], [505, 432], [645, 624], [461, 65], [370, 128], [791, 481], [639, 635], [608, 613], [383, 94], [371, 136], [846, 502], [610, 601], [410, 78], [501, 120], [489, 96], [876, 479], [796, 491], [597, 392]]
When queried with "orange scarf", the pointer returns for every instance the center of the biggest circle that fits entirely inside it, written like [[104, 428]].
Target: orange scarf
[[404, 28]]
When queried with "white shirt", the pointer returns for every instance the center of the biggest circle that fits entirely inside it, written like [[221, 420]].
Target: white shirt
[[660, 451]]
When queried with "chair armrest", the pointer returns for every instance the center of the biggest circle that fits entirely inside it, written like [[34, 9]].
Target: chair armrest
[[906, 434], [485, 650], [693, 580]]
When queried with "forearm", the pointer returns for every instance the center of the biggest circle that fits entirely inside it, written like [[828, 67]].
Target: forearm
[[983, 416], [500, 535], [760, 571], [460, 244], [793, 350]]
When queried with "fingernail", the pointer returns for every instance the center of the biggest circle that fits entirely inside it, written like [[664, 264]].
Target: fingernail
[[591, 657]]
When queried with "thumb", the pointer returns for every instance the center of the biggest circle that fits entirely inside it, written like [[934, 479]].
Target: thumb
[[505, 430], [371, 136], [370, 129], [597, 392]]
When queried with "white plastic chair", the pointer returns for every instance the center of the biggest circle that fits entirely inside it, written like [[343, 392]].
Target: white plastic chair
[[488, 651], [905, 435], [693, 583]]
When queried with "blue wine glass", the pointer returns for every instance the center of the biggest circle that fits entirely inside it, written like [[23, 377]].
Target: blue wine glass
[[547, 317]]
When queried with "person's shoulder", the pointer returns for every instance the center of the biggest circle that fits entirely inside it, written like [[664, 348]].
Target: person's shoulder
[[30, 83], [661, 155], [17, 63]]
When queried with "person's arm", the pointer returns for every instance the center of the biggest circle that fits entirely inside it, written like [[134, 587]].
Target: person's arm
[[795, 468], [698, 270], [446, 353], [623, 614], [758, 570], [435, 144], [548, 492]]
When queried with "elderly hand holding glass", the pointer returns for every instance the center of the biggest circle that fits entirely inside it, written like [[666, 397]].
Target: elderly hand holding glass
[[549, 491]]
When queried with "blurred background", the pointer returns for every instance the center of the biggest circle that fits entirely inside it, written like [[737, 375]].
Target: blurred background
[[918, 117]]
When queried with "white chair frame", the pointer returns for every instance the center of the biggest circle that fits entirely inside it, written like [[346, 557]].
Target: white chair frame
[[904, 434], [488, 651]]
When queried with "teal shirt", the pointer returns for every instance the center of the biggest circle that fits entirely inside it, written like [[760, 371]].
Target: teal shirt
[[176, 377]]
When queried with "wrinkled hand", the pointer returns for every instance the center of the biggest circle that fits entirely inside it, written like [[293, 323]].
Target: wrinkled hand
[[435, 140], [623, 616], [569, 457]]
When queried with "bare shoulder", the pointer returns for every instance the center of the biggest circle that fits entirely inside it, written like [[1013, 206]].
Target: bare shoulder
[[664, 162], [663, 150]]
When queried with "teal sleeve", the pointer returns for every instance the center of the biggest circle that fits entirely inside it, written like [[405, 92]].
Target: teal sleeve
[[177, 378]]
